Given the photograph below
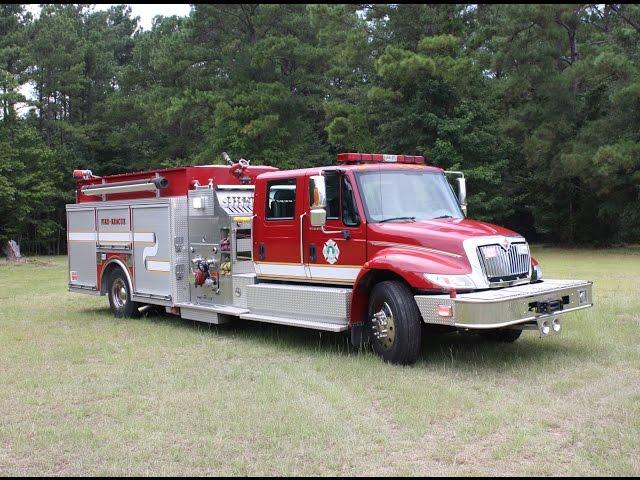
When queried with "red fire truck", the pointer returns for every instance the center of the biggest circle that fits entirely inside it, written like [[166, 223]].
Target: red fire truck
[[377, 245]]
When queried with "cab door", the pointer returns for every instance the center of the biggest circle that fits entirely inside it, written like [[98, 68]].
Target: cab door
[[335, 254], [278, 205]]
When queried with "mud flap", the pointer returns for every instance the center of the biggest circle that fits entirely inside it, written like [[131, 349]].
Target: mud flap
[[359, 335]]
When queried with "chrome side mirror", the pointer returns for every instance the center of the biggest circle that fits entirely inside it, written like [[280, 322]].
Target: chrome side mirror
[[318, 217], [317, 192], [318, 201], [462, 194], [462, 189]]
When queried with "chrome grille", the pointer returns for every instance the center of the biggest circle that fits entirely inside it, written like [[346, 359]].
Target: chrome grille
[[503, 265]]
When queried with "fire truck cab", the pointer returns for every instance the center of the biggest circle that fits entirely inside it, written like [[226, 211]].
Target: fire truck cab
[[378, 245]]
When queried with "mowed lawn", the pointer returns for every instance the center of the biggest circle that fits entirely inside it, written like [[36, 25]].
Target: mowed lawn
[[84, 393]]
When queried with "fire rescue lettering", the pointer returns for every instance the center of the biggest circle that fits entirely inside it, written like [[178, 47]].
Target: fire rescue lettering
[[113, 221]]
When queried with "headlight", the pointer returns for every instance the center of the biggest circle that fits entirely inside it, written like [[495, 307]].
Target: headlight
[[450, 281], [537, 273]]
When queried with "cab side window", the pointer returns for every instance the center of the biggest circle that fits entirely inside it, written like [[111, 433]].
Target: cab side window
[[281, 199], [332, 183], [349, 210]]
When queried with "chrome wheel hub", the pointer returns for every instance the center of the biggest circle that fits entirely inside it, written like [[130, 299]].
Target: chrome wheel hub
[[384, 326], [119, 293]]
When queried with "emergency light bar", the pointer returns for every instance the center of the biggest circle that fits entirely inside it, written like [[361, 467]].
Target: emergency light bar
[[379, 158]]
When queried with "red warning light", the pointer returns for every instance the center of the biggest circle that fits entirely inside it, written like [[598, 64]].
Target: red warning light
[[379, 158]]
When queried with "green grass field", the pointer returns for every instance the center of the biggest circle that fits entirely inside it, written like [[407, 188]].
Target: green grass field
[[84, 393]]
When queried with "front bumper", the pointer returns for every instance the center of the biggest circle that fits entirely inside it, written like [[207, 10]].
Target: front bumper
[[524, 304]]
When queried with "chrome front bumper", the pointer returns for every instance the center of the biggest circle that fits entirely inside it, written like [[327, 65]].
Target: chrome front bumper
[[530, 303]]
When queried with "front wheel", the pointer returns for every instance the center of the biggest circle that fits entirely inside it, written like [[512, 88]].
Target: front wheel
[[120, 296], [394, 322]]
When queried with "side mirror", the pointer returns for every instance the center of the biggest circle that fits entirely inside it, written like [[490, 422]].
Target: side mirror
[[317, 192], [462, 189], [318, 217], [318, 201], [462, 194]]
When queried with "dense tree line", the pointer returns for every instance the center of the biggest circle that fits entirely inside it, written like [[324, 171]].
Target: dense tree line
[[538, 104]]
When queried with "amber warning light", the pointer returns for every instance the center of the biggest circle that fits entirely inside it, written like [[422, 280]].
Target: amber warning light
[[379, 158]]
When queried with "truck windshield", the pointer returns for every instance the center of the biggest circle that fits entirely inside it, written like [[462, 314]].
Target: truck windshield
[[407, 195]]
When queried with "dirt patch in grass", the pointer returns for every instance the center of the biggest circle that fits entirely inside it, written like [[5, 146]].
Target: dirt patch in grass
[[33, 261]]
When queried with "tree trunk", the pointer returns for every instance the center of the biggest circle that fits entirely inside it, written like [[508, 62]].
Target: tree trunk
[[12, 250]]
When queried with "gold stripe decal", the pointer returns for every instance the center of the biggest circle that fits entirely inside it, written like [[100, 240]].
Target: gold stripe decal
[[312, 272], [416, 248]]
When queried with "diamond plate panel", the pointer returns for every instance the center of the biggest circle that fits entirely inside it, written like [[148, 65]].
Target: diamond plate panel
[[207, 202], [240, 284], [428, 304], [179, 250], [301, 302], [243, 267], [201, 315]]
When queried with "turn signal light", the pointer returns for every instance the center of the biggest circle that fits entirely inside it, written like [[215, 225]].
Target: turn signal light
[[444, 311]]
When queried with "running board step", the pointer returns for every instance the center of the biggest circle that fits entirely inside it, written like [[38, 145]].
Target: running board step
[[209, 313], [226, 309], [294, 322]]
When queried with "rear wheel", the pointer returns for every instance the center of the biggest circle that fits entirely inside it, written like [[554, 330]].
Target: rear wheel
[[120, 296], [394, 322], [502, 335]]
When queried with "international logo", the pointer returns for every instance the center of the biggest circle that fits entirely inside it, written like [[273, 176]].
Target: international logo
[[331, 251]]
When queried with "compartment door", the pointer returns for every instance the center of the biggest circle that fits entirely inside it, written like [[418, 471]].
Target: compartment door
[[81, 241], [151, 254]]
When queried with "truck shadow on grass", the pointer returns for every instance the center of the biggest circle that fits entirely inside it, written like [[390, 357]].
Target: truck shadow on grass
[[471, 350], [438, 349]]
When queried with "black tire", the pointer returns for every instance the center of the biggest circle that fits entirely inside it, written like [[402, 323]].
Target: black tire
[[501, 335], [402, 341], [119, 293]]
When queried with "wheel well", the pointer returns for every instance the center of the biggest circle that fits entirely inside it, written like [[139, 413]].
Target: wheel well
[[106, 272], [377, 276], [360, 300]]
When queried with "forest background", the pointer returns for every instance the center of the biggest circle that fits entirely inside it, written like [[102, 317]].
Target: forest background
[[539, 105]]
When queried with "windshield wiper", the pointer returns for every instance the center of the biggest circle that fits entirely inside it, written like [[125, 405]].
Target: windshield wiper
[[413, 219], [442, 216]]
